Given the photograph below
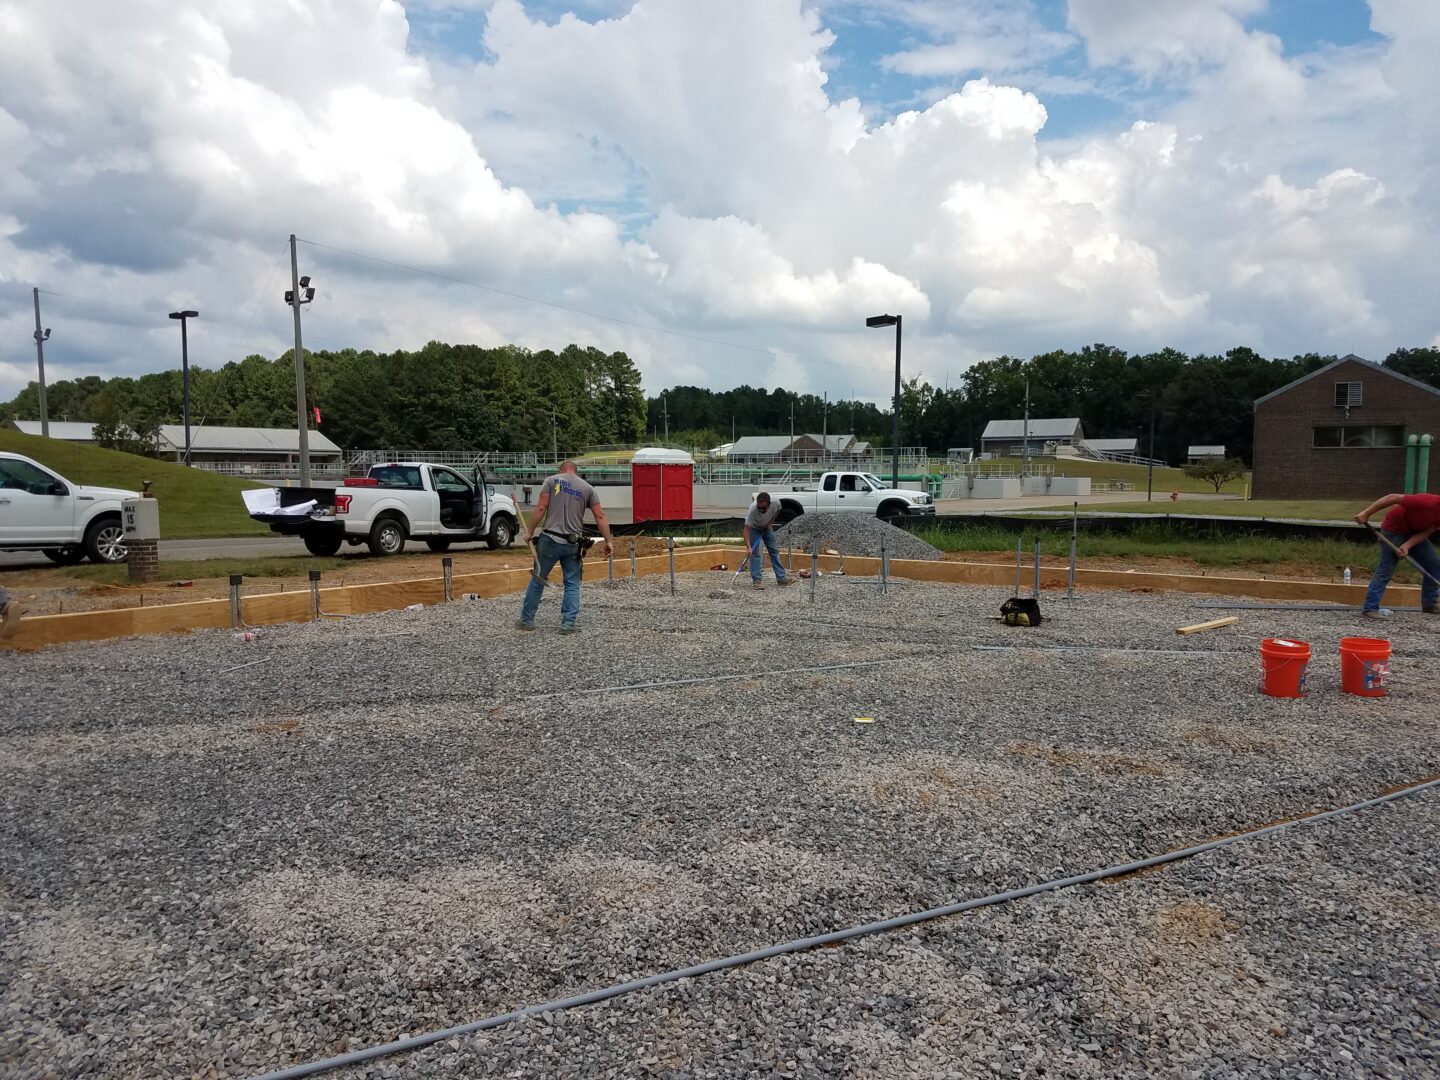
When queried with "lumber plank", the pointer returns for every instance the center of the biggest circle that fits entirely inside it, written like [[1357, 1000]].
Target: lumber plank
[[268, 608], [1213, 624]]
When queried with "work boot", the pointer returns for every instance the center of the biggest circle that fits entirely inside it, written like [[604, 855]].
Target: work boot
[[1433, 609], [757, 585], [782, 582], [521, 624], [9, 616], [570, 629], [1377, 613]]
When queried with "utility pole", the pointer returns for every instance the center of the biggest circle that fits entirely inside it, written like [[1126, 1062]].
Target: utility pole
[[665, 406], [554, 437], [301, 413], [732, 429], [792, 424], [40, 338], [1025, 453], [825, 426]]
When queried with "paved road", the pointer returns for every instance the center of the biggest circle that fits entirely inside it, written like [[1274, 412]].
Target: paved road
[[260, 547]]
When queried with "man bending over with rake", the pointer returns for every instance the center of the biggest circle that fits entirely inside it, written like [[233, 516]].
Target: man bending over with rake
[[760, 528], [1405, 533]]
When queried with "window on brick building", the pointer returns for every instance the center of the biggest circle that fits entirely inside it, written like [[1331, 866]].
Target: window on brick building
[[1359, 436], [1349, 394]]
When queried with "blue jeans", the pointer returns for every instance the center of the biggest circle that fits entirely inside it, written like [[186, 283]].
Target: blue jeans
[[550, 551], [1423, 553], [767, 537]]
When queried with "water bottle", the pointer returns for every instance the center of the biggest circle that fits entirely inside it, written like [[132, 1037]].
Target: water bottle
[[1347, 575]]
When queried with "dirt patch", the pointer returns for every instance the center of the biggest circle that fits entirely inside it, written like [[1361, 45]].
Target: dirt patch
[[1235, 739], [1093, 761], [1192, 923]]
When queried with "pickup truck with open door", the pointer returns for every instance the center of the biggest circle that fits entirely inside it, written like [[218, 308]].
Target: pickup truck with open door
[[42, 511], [391, 504], [852, 492]]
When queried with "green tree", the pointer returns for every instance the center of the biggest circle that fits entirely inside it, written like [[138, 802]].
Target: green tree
[[1217, 473], [1422, 363]]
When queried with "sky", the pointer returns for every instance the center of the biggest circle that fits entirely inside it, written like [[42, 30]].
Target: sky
[[723, 189]]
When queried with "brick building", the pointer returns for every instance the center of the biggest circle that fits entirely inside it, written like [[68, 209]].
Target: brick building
[[1339, 432]]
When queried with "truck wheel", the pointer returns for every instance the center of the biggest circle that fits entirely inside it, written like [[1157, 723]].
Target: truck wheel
[[788, 513], [105, 541], [502, 533], [323, 544], [387, 537], [438, 545], [891, 509], [66, 556]]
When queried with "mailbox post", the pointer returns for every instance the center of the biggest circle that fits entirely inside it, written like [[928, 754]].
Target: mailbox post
[[140, 519]]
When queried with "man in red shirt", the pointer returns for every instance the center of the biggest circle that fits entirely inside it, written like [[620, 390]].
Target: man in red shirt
[[1412, 520]]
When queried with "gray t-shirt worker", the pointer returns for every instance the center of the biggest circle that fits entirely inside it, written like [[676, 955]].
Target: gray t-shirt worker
[[759, 529], [556, 530]]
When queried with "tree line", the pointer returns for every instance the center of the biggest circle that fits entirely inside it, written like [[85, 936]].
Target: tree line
[[441, 397], [1196, 400], [464, 397]]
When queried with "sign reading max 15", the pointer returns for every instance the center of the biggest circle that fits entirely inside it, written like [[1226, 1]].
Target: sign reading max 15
[[140, 518]]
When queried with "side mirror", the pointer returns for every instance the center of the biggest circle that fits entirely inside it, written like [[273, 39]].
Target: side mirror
[[58, 488]]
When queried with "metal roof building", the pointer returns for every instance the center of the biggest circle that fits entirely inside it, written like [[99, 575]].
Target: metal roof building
[[248, 443], [65, 430], [1007, 438]]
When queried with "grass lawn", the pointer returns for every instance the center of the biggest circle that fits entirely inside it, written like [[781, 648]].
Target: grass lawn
[[1323, 558], [1166, 480], [1305, 510], [193, 503], [193, 569]]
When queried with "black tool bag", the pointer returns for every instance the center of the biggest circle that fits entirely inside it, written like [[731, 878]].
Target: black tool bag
[[1021, 611]]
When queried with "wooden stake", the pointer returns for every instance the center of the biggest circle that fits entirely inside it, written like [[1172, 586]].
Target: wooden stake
[[1213, 624]]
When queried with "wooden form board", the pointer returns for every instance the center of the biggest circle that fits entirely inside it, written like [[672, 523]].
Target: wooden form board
[[265, 609], [1000, 574], [270, 608]]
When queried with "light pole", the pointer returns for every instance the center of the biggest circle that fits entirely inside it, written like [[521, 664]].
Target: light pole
[[41, 336], [893, 320], [1150, 468], [1025, 451], [300, 292], [185, 371]]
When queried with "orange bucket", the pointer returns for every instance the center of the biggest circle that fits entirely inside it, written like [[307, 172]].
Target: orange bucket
[[1364, 665], [1283, 663]]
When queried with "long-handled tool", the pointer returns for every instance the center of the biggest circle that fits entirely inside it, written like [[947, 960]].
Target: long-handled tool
[[745, 562], [1403, 554], [530, 543]]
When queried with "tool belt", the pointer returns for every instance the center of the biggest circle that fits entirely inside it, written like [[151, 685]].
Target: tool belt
[[579, 540]]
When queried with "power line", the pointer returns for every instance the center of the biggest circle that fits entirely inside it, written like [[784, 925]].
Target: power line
[[648, 327]]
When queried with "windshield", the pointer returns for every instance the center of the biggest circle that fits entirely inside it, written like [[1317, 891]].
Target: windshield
[[875, 481]]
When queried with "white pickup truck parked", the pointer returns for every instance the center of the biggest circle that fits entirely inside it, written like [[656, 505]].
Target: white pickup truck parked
[[42, 511], [852, 492], [395, 502]]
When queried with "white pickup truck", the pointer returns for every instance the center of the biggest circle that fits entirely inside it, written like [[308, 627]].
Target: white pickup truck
[[852, 492], [395, 502], [42, 511]]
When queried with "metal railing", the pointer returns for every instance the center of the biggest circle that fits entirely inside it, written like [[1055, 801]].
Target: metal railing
[[274, 470]]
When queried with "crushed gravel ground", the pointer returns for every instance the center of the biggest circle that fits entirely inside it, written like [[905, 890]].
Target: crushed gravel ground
[[853, 534], [387, 826]]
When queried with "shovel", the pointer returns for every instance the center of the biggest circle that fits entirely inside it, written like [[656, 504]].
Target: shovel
[[1407, 557]]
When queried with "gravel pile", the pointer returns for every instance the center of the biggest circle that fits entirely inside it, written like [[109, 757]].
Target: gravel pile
[[853, 534], [390, 824]]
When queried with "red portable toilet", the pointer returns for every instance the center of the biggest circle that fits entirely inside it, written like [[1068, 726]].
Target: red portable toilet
[[663, 485]]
